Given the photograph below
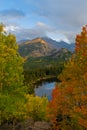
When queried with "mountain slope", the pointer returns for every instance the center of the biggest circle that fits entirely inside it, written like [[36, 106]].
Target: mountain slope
[[35, 48], [60, 44], [40, 48], [55, 58], [38, 54]]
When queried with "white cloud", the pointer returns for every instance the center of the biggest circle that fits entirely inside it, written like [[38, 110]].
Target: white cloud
[[60, 19], [39, 30], [68, 16], [58, 36], [11, 28]]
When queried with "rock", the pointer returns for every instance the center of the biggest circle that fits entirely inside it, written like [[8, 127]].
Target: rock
[[42, 125], [6, 127], [28, 124]]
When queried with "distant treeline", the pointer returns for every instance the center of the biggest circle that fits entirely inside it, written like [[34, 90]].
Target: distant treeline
[[32, 75]]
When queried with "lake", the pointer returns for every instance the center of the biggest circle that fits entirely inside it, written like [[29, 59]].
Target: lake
[[45, 87]]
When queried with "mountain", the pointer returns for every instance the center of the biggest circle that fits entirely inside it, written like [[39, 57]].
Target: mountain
[[38, 53], [22, 41], [62, 53], [60, 44], [35, 48], [52, 43], [39, 47]]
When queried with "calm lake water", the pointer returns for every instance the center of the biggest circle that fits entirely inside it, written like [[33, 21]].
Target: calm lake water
[[45, 87]]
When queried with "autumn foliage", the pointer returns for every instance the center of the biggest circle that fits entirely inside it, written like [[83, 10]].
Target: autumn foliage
[[68, 107], [36, 107], [12, 89], [15, 102]]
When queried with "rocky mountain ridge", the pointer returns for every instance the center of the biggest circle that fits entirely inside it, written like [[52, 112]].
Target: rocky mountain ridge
[[39, 47]]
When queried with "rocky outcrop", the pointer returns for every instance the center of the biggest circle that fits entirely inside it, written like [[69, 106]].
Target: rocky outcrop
[[41, 125], [35, 48], [27, 125]]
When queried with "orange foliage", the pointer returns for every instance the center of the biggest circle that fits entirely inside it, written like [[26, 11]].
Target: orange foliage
[[68, 107], [83, 123]]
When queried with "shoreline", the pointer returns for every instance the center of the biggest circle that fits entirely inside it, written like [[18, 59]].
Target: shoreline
[[44, 78]]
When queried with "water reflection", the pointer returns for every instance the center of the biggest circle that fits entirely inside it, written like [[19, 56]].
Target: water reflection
[[45, 87]]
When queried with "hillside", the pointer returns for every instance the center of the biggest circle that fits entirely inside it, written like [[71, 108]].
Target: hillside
[[39, 47], [47, 61], [39, 53], [60, 44], [35, 48]]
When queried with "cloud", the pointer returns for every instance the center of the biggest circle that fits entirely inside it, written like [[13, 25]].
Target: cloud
[[39, 30], [11, 28], [61, 19], [64, 12], [12, 14], [67, 16]]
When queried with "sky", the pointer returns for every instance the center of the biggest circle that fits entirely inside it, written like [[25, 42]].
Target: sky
[[57, 19]]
